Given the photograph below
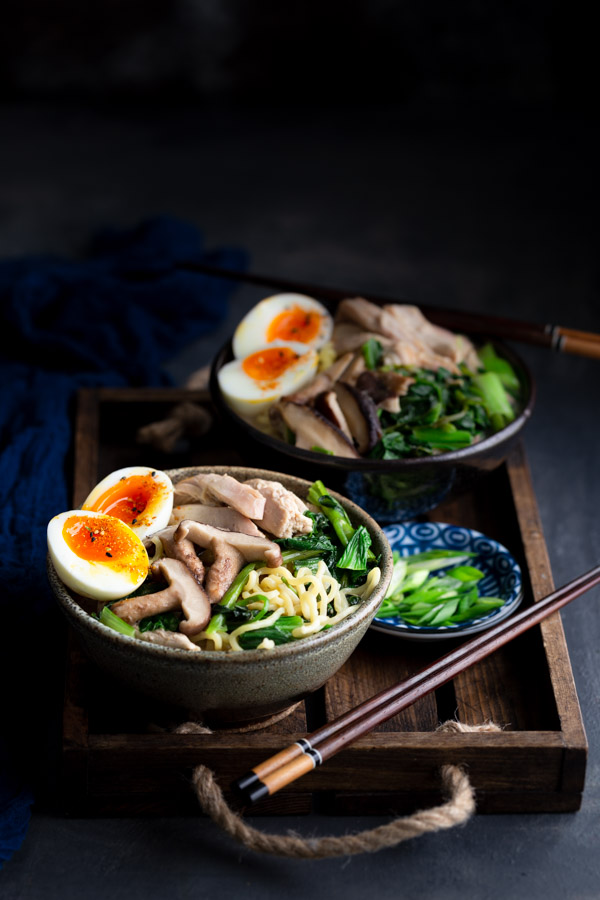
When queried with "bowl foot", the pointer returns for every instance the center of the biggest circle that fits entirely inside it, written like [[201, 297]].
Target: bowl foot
[[215, 722]]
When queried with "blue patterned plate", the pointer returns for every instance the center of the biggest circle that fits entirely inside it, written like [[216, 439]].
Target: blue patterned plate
[[502, 576]]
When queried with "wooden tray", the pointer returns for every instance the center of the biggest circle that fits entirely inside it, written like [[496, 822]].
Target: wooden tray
[[119, 750]]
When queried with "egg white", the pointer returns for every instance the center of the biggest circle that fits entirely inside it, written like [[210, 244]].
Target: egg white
[[251, 333], [250, 397], [156, 515], [92, 578]]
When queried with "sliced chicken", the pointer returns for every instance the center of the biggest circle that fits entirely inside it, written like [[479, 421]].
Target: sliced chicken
[[370, 317], [442, 342], [209, 489], [284, 511], [414, 353], [219, 516], [167, 639], [349, 337], [414, 340]]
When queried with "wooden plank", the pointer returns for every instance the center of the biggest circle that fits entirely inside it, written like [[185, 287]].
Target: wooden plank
[[376, 665], [553, 636], [75, 720], [86, 445], [477, 697], [151, 395], [380, 761]]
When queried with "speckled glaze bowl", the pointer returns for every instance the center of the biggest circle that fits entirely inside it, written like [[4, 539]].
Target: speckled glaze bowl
[[230, 687]]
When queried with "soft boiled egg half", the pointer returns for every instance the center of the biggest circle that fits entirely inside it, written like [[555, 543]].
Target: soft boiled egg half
[[95, 555], [291, 318], [250, 385], [138, 495]]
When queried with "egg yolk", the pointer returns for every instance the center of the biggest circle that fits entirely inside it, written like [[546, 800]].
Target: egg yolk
[[107, 542], [269, 364], [295, 324], [129, 498]]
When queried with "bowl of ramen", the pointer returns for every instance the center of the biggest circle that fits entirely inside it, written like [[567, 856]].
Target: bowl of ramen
[[230, 593], [399, 413]]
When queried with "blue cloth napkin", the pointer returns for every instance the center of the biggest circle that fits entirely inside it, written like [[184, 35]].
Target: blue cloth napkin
[[65, 325]]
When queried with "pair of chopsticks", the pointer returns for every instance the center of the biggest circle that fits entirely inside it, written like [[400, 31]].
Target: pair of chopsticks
[[556, 337], [304, 755]]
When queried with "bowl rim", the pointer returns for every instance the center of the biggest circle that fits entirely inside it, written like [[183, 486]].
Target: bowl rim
[[66, 598], [366, 464]]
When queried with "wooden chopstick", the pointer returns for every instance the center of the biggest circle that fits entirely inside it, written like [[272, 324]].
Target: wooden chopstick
[[286, 766], [563, 340]]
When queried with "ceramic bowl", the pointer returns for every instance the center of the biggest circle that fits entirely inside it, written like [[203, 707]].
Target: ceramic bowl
[[502, 576], [389, 490], [233, 687]]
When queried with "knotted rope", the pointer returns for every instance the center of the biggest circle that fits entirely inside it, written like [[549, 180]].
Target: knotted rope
[[458, 809]]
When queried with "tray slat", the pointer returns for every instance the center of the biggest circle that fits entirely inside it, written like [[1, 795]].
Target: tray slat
[[122, 757]]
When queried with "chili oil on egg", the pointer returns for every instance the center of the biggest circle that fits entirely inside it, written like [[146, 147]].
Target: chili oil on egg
[[252, 384], [291, 318], [97, 556], [138, 495]]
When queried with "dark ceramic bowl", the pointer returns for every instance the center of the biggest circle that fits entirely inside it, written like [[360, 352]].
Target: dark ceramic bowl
[[230, 687], [390, 490]]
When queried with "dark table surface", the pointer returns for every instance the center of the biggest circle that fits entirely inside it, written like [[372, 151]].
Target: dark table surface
[[487, 214]]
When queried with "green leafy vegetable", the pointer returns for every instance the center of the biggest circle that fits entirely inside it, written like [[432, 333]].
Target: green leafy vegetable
[[280, 633], [494, 363], [355, 554], [443, 411], [109, 618], [372, 351], [169, 621], [334, 511], [233, 592], [495, 399]]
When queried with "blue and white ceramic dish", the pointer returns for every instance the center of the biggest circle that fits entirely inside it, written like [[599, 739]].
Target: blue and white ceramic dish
[[502, 575]]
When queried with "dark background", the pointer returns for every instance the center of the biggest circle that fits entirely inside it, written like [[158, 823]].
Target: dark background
[[510, 54], [445, 153]]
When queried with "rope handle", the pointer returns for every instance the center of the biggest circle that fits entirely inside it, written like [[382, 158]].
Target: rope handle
[[456, 810]]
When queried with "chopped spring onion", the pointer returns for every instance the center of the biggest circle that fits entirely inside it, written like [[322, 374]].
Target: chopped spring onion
[[420, 597], [232, 593], [109, 618]]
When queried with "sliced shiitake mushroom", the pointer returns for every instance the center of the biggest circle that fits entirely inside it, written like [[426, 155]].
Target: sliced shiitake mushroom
[[313, 430], [327, 404], [360, 413]]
